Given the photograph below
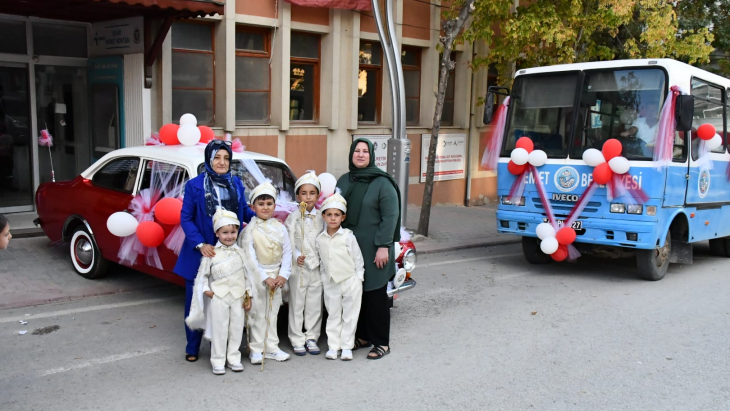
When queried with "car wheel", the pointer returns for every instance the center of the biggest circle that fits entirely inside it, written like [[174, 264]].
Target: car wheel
[[85, 255], [653, 264], [533, 253], [720, 247]]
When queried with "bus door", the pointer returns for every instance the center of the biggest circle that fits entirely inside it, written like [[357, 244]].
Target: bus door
[[708, 189]]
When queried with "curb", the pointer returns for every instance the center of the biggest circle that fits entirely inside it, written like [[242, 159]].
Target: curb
[[28, 233], [77, 297], [466, 246]]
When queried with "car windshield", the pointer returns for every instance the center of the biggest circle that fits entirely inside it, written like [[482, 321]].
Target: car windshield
[[280, 175], [622, 104]]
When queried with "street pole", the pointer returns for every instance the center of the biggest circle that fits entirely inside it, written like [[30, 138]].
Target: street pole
[[399, 147]]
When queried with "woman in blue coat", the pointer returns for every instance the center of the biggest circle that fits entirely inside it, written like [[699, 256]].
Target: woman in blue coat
[[213, 188]]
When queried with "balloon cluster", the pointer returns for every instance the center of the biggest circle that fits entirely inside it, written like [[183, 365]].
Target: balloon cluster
[[188, 133], [150, 233], [523, 154], [607, 162], [555, 243], [708, 134]]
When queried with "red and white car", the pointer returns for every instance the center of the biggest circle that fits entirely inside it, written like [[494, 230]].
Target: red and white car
[[76, 211]]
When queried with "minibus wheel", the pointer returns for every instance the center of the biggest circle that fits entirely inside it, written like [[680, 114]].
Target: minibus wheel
[[533, 253], [653, 264]]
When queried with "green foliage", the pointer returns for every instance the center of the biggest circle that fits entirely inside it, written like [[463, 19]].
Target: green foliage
[[715, 15]]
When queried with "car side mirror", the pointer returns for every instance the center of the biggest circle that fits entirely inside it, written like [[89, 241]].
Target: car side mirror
[[684, 111], [489, 109]]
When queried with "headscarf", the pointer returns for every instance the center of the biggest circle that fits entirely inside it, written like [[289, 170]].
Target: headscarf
[[227, 191], [360, 179]]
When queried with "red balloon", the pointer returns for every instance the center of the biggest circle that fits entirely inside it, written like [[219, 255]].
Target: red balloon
[[602, 174], [526, 143], [611, 148], [706, 131], [150, 233], [206, 134], [565, 236], [168, 210], [168, 134], [561, 254], [515, 169]]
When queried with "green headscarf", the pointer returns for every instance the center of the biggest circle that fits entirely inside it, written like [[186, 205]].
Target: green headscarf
[[360, 179]]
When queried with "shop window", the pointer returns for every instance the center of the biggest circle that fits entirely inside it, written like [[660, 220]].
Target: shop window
[[59, 40], [253, 84], [119, 174], [193, 72], [304, 77], [447, 114], [411, 60], [369, 80], [13, 34], [709, 108]]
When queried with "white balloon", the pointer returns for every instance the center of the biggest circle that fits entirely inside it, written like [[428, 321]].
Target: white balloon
[[619, 165], [520, 156], [714, 143], [593, 157], [537, 158], [544, 230], [549, 245], [188, 135], [188, 120], [122, 224], [328, 182]]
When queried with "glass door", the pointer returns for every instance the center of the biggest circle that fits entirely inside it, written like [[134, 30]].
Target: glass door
[[16, 162]]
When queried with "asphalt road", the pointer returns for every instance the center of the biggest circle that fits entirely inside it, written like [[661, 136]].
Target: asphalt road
[[483, 330]]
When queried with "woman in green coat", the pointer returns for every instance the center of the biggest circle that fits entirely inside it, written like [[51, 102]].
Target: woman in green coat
[[373, 215]]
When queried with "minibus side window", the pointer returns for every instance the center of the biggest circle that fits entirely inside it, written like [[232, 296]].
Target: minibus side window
[[709, 108]]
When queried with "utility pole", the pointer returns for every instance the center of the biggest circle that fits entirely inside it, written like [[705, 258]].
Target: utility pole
[[399, 147]]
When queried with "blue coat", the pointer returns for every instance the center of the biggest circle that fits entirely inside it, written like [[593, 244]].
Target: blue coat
[[198, 226]]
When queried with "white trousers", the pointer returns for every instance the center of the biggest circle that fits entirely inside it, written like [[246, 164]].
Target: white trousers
[[257, 317], [343, 308], [305, 306], [227, 330]]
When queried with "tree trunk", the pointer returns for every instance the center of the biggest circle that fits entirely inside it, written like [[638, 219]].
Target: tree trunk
[[452, 28]]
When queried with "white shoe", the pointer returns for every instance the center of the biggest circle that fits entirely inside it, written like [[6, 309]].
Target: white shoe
[[346, 355], [312, 347], [331, 355], [219, 370], [300, 351], [235, 367], [256, 358], [278, 356]]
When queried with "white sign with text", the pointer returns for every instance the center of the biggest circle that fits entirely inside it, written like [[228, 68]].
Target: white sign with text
[[123, 36], [380, 145], [450, 157]]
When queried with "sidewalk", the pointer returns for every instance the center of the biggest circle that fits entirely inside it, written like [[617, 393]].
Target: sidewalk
[[32, 272]]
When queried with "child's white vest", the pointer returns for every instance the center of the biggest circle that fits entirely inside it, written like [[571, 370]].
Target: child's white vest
[[226, 272], [311, 231], [268, 243], [338, 263]]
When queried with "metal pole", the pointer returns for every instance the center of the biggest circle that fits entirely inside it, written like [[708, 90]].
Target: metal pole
[[399, 147]]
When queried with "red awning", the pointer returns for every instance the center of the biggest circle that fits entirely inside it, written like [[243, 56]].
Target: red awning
[[334, 4], [101, 10]]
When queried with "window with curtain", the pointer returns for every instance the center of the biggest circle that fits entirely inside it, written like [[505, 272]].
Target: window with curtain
[[304, 77], [253, 75], [369, 81], [193, 72]]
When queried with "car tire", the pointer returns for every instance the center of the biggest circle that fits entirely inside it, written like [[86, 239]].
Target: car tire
[[85, 255], [533, 253], [653, 264], [720, 247]]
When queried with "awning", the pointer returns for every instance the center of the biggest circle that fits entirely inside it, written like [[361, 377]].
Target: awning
[[101, 10], [334, 4]]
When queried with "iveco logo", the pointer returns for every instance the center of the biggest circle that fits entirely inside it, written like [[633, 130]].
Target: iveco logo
[[565, 197], [566, 179]]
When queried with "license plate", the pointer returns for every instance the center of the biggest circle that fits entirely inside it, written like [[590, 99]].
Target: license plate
[[577, 225]]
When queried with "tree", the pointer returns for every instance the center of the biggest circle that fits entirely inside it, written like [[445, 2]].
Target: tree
[[714, 15]]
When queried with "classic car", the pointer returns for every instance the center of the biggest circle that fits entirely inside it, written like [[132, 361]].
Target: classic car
[[76, 211]]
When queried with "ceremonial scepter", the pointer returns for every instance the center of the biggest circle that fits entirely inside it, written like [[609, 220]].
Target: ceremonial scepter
[[302, 211], [272, 291]]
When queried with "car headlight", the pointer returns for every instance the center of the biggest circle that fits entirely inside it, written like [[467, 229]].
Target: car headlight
[[507, 201], [409, 260], [634, 208], [618, 208]]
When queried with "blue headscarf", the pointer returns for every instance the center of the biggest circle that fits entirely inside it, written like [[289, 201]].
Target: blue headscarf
[[223, 182]]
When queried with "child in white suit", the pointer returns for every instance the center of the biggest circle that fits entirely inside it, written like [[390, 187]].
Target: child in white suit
[[268, 250], [220, 290], [305, 284], [342, 275]]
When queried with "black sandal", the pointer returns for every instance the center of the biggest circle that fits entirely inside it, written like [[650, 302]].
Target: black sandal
[[379, 352], [359, 344], [191, 358]]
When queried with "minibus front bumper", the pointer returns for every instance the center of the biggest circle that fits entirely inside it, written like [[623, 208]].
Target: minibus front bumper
[[602, 231]]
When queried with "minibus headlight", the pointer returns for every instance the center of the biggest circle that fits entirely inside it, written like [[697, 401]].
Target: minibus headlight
[[506, 201], [618, 208], [650, 210], [634, 208]]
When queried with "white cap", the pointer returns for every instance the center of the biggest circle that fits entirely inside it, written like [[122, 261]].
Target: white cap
[[222, 218], [335, 201], [265, 188], [308, 178]]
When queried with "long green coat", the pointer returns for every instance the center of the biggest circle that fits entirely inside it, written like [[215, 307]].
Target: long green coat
[[378, 218]]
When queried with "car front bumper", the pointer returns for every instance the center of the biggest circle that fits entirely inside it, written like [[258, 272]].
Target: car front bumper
[[407, 285]]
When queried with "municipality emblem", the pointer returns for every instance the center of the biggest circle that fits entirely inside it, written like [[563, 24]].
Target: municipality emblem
[[566, 179], [703, 185]]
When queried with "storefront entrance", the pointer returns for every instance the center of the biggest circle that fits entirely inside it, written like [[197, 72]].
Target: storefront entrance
[[16, 159]]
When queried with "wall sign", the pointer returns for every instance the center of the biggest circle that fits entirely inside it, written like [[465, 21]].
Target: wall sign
[[450, 157], [123, 36], [380, 145]]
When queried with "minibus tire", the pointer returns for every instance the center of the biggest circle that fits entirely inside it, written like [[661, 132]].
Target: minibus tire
[[719, 247], [653, 264], [533, 253]]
